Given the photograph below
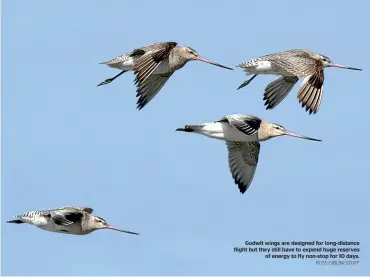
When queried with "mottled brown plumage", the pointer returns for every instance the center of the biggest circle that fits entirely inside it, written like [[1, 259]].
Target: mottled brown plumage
[[73, 220], [153, 65], [292, 65]]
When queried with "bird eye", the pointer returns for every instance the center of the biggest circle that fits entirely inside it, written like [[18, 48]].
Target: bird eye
[[191, 51]]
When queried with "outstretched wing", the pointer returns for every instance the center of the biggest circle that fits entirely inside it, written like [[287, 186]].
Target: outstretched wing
[[150, 87], [310, 93], [243, 159], [248, 124], [277, 90]]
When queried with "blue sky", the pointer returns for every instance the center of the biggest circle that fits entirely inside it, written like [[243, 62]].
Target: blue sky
[[67, 142]]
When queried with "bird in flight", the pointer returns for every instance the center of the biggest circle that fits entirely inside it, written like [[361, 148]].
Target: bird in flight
[[292, 65], [242, 134], [153, 65], [67, 220]]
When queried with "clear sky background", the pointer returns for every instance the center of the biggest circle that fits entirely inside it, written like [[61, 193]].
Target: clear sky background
[[67, 142]]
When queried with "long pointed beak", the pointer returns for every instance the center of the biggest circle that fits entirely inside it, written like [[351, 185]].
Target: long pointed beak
[[342, 66], [211, 62], [120, 230], [300, 136]]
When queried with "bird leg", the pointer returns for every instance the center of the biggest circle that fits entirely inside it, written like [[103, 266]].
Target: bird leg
[[247, 81], [107, 81]]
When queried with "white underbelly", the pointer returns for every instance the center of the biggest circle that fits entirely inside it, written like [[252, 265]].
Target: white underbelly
[[224, 131], [70, 229], [266, 67]]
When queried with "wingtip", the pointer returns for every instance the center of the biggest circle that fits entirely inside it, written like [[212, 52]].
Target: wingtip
[[242, 189], [180, 129], [268, 107]]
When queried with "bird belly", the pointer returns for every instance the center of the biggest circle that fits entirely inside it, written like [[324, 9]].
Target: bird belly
[[70, 229], [233, 134], [224, 131], [266, 67], [44, 223]]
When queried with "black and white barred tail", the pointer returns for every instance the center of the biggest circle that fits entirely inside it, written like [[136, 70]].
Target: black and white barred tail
[[191, 128]]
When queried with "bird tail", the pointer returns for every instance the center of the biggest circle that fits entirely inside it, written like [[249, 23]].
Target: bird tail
[[191, 128], [277, 90], [17, 221]]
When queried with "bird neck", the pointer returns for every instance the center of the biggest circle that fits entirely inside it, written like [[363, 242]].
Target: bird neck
[[87, 224], [264, 132], [176, 60]]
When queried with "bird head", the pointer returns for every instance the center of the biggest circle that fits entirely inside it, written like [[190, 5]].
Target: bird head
[[100, 223], [276, 130], [189, 54], [326, 62]]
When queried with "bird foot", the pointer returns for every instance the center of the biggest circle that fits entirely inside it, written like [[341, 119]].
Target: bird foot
[[105, 82], [246, 83]]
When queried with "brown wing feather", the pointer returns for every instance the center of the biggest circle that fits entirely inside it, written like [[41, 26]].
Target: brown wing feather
[[243, 159], [297, 62], [146, 64], [137, 52], [150, 87], [85, 209], [310, 93]]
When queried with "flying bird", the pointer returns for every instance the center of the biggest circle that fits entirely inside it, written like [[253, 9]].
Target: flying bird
[[292, 65], [68, 220], [242, 134], [153, 65]]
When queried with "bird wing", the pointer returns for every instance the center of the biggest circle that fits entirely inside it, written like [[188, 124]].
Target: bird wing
[[150, 87], [243, 159], [84, 209], [66, 217], [310, 92], [277, 90], [248, 124], [147, 63], [297, 62]]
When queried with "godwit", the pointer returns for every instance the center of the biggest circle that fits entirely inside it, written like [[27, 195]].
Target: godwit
[[292, 65], [153, 65], [68, 220], [242, 134]]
